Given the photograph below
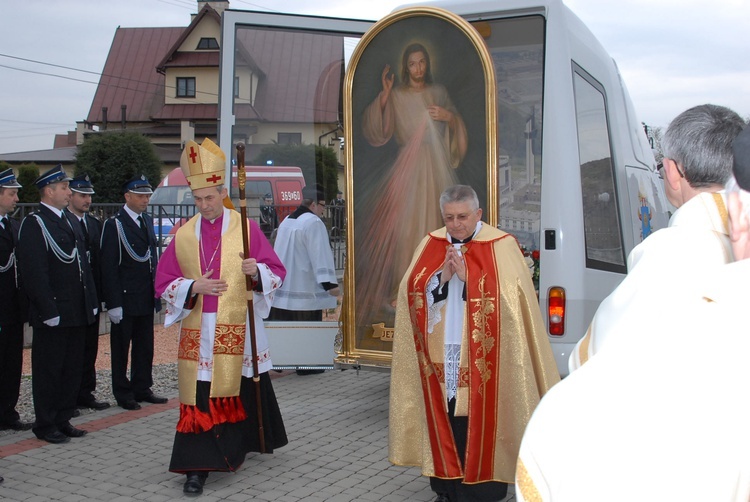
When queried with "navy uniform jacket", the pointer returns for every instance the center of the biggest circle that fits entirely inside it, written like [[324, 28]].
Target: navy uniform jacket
[[55, 288], [94, 226], [11, 311], [126, 282]]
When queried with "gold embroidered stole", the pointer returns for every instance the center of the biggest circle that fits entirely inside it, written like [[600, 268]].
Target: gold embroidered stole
[[229, 337], [483, 328]]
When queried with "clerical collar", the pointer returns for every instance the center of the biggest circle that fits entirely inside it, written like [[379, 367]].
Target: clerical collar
[[299, 212], [458, 241], [215, 219]]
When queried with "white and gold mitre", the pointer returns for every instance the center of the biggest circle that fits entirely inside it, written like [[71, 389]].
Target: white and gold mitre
[[203, 165]]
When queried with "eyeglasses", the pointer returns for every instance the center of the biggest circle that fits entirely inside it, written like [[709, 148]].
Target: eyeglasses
[[660, 166]]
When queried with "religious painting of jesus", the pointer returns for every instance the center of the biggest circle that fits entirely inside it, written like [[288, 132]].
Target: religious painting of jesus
[[419, 109]]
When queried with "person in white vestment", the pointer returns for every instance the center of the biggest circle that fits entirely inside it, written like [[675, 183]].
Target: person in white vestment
[[303, 247], [697, 147], [663, 412]]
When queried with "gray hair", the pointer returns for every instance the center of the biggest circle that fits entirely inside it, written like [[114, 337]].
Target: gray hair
[[700, 140], [459, 193]]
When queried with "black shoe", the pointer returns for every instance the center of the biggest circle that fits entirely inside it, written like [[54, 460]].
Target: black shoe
[[130, 405], [152, 398], [94, 405], [16, 426], [55, 437], [442, 497], [194, 483], [76, 413], [72, 432]]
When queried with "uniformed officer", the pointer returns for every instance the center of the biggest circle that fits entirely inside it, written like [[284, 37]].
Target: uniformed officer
[[128, 265], [269, 220], [91, 230], [12, 316], [58, 281]]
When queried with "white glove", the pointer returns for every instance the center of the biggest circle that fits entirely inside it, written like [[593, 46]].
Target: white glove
[[115, 315], [52, 322]]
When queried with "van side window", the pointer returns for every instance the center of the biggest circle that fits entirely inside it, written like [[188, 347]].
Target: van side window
[[601, 219]]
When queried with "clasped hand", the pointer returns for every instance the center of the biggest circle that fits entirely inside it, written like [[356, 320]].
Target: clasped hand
[[453, 264], [216, 287]]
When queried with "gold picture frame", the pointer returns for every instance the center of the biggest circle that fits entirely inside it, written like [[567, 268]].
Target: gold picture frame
[[419, 115]]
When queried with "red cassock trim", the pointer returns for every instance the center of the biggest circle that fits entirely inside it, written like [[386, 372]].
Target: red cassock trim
[[484, 325], [483, 295], [445, 456]]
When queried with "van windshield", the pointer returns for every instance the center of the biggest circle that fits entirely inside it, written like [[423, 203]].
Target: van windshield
[[172, 195]]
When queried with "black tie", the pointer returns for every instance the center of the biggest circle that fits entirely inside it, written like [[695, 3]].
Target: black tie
[[6, 226], [142, 224], [85, 231]]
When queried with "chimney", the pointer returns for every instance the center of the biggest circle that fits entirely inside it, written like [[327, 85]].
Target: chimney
[[124, 109], [218, 5], [104, 118]]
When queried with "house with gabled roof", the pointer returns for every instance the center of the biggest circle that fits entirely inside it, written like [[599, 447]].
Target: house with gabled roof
[[164, 82]]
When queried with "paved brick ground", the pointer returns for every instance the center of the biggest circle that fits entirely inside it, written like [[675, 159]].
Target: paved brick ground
[[337, 423]]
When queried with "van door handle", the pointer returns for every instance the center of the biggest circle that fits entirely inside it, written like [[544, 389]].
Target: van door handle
[[549, 239]]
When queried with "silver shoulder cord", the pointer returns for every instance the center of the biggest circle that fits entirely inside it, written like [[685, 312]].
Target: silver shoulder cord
[[135, 256], [11, 262], [51, 244], [56, 250]]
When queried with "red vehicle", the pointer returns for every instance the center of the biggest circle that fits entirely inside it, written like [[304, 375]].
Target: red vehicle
[[172, 200]]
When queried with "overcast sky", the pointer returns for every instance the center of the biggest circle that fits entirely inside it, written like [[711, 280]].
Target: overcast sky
[[673, 54]]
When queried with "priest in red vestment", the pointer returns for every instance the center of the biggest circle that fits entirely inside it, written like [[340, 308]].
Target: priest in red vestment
[[201, 275], [471, 358]]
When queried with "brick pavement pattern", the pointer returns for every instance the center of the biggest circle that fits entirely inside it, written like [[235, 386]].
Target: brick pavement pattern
[[337, 423]]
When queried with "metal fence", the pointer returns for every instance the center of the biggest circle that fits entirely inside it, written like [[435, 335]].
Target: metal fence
[[168, 217]]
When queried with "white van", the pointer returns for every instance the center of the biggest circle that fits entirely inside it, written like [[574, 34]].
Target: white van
[[578, 184]]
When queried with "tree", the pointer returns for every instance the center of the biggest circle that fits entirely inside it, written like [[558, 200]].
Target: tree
[[27, 175], [112, 158], [654, 135], [319, 164]]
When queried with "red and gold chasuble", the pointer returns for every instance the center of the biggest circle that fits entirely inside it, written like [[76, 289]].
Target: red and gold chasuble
[[506, 362]]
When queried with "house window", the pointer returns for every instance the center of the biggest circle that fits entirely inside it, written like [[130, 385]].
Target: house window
[[290, 138], [206, 44], [185, 87], [236, 87]]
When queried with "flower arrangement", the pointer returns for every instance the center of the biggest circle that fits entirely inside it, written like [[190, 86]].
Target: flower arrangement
[[532, 261]]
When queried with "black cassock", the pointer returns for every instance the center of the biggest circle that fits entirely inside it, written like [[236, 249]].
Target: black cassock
[[225, 446]]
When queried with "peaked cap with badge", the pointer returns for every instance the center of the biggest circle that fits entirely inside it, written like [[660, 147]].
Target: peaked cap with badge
[[139, 184], [54, 175], [8, 179], [82, 184]]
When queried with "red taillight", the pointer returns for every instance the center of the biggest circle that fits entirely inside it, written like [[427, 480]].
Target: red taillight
[[556, 310]]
